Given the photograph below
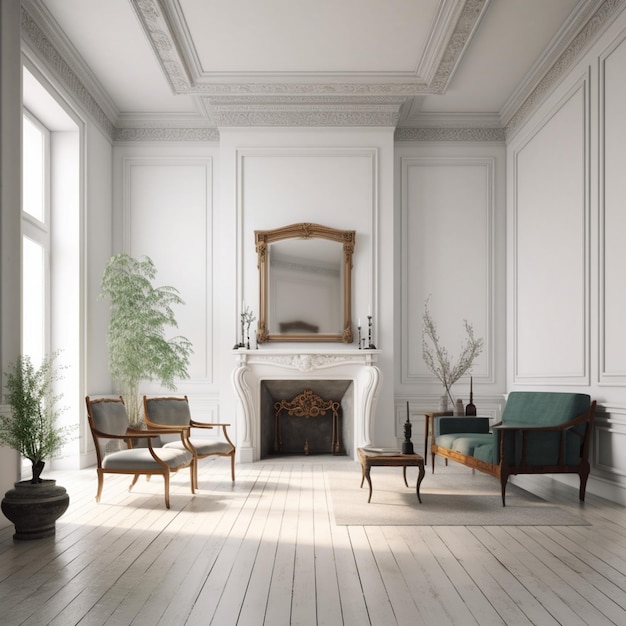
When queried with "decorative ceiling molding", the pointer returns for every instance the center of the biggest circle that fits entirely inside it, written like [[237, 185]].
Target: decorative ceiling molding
[[280, 103], [449, 134], [158, 29], [166, 134], [563, 40], [587, 35], [309, 118], [50, 56], [172, 44]]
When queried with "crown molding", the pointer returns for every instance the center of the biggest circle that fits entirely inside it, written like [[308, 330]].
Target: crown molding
[[404, 134], [604, 14], [164, 25], [360, 102], [43, 35], [166, 134]]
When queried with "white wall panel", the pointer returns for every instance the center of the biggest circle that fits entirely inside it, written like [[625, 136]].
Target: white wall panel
[[328, 186], [167, 216], [612, 179], [448, 207], [550, 247]]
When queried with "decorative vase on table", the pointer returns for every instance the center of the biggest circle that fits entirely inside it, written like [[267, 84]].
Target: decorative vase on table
[[443, 403]]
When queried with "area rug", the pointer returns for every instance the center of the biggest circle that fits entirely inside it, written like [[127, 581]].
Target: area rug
[[453, 496]]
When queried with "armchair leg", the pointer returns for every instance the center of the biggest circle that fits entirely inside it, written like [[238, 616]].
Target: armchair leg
[[135, 479], [232, 466], [193, 469], [100, 481], [166, 478]]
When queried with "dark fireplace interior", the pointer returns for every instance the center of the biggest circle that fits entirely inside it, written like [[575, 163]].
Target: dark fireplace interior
[[304, 434]]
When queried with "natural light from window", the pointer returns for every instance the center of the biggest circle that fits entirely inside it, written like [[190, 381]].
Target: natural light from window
[[33, 198]]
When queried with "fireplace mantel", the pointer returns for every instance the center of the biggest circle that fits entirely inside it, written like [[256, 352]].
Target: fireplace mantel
[[255, 366]]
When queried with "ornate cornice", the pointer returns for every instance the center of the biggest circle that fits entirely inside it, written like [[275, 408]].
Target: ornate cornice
[[166, 134], [158, 29], [178, 61], [468, 20], [566, 60], [46, 51], [305, 116], [371, 102], [450, 134]]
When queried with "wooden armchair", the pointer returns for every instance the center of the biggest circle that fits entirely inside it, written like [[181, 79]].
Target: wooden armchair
[[174, 413], [113, 440]]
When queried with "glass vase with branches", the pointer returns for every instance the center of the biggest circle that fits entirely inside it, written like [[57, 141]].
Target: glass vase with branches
[[437, 358]]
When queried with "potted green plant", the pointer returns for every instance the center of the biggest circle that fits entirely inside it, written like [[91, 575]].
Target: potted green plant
[[137, 343], [31, 428]]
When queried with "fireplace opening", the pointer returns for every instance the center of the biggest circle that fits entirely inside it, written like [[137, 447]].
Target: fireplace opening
[[300, 417]]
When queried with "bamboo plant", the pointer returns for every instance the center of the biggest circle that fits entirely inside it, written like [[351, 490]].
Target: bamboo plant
[[137, 344]]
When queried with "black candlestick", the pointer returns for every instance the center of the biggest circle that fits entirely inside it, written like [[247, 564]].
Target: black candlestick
[[370, 345], [359, 329], [407, 444]]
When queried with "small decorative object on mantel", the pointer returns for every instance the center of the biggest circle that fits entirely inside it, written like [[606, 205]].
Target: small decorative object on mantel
[[458, 407], [359, 333], [437, 359], [370, 344], [246, 320], [407, 444], [470, 409]]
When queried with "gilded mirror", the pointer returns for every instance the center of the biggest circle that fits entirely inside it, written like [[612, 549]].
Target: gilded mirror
[[305, 283]]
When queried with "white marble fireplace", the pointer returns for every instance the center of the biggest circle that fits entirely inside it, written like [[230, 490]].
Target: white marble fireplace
[[255, 366]]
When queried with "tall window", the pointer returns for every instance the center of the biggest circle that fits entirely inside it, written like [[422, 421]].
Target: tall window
[[35, 239], [51, 242]]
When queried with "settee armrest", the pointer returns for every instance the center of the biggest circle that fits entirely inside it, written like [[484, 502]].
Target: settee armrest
[[460, 424], [557, 444]]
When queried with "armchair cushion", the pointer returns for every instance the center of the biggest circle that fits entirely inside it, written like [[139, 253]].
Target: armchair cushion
[[140, 459], [204, 447]]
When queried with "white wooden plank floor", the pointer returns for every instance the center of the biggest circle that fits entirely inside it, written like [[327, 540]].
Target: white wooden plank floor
[[266, 551]]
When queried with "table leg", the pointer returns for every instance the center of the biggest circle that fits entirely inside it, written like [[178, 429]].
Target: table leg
[[420, 477], [366, 473], [404, 474]]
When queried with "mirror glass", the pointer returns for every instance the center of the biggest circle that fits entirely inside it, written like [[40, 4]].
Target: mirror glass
[[304, 272]]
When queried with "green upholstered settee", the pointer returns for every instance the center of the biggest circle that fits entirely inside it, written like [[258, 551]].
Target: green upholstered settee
[[540, 433]]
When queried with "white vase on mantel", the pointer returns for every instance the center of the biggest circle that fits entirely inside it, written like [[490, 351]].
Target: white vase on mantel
[[459, 409]]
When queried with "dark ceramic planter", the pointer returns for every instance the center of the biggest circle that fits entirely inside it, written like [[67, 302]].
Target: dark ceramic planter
[[35, 508]]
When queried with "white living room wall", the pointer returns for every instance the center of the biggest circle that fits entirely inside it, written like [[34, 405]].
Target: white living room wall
[[451, 253], [164, 208], [342, 178], [197, 221], [566, 197]]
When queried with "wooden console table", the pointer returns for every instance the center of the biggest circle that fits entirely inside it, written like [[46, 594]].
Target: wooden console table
[[429, 426], [369, 459]]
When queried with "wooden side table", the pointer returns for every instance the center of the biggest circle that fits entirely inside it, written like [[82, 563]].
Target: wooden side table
[[369, 459], [429, 426]]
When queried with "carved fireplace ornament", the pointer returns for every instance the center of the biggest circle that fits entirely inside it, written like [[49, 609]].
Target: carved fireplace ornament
[[305, 283], [309, 405]]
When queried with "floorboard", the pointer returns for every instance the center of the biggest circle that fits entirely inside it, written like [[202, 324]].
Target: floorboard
[[266, 551]]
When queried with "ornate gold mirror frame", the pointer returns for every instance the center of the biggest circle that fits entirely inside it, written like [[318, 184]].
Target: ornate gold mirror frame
[[264, 239]]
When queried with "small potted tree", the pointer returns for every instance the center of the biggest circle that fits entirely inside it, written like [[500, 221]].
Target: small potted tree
[[34, 505], [137, 343]]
